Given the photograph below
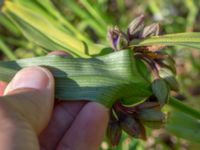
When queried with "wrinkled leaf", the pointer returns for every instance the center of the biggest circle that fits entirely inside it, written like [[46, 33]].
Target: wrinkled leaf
[[102, 79]]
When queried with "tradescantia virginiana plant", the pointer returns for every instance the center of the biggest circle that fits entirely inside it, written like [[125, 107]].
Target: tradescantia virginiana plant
[[119, 80]]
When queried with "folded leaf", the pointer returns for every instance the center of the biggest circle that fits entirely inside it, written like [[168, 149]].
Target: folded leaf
[[102, 79]]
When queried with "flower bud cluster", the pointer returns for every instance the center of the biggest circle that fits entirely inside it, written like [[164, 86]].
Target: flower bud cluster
[[133, 119]]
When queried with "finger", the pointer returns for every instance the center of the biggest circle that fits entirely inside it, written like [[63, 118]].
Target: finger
[[87, 130], [31, 93], [2, 87], [63, 115], [59, 53]]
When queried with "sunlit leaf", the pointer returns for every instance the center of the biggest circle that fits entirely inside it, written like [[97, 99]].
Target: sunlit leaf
[[40, 30], [190, 39]]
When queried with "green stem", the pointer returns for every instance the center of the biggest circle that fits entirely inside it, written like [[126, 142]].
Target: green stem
[[175, 103]]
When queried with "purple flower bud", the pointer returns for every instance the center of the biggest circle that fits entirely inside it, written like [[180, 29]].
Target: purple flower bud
[[135, 27], [117, 39], [130, 126], [150, 30], [113, 37], [123, 41]]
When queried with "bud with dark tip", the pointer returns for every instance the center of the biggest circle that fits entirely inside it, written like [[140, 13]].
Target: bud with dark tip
[[170, 79], [130, 126], [114, 133], [153, 124], [113, 37], [161, 91], [170, 63], [143, 135], [123, 42], [151, 115], [150, 30], [135, 27], [172, 82], [152, 118]]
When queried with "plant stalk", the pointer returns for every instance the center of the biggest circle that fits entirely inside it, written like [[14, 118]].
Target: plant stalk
[[176, 104]]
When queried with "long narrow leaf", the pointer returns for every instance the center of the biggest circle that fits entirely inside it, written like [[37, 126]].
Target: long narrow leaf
[[93, 12], [6, 50], [9, 25], [47, 4], [84, 15], [191, 39], [42, 32]]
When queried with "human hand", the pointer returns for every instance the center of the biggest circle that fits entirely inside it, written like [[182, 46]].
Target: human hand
[[30, 120]]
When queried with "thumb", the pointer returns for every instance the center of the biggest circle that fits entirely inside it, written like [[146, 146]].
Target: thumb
[[31, 94]]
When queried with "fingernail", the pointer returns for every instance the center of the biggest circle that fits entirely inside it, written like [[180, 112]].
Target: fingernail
[[33, 77]]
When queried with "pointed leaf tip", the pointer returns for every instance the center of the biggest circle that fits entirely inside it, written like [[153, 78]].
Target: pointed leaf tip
[[114, 133], [161, 91], [131, 126]]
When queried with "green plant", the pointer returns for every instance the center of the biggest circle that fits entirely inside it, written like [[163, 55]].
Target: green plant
[[118, 74]]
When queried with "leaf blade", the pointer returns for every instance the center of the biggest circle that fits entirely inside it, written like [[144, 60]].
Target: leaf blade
[[27, 19]]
